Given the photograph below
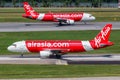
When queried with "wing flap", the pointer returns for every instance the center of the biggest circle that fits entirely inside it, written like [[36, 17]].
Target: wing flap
[[62, 51]]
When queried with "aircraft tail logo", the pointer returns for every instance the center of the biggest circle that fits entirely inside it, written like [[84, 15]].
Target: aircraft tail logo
[[103, 35], [29, 10]]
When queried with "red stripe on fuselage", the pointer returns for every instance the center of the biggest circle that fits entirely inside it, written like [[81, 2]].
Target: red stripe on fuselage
[[63, 45], [53, 16]]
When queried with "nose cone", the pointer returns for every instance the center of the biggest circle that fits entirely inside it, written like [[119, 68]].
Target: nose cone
[[93, 18], [11, 48], [87, 17]]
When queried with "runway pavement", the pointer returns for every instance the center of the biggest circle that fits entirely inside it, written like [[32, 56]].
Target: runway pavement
[[50, 26], [84, 78], [66, 59]]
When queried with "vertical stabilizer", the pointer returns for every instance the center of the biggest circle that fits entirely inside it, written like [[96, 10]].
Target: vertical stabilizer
[[103, 35], [29, 11]]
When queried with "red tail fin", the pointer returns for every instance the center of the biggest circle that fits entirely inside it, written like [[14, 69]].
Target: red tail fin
[[29, 10], [103, 36]]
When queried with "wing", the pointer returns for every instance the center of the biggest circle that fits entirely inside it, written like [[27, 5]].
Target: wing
[[57, 50], [53, 52], [60, 19], [65, 20]]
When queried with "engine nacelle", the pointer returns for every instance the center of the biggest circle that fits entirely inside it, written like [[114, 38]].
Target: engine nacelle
[[69, 21], [45, 54]]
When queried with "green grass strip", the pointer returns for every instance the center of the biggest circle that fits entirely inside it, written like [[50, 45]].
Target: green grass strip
[[60, 71]]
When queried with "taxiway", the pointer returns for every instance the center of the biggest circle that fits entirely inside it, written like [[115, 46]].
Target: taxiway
[[66, 59], [84, 78], [47, 26]]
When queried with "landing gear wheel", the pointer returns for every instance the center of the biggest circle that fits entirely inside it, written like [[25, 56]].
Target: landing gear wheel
[[21, 55], [60, 24], [85, 23], [58, 56]]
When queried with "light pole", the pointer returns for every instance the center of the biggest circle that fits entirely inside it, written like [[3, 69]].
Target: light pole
[[119, 4], [99, 3], [18, 3]]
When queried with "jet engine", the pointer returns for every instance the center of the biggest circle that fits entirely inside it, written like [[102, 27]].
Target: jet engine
[[45, 54], [69, 21]]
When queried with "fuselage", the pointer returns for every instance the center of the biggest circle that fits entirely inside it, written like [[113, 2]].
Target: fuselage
[[53, 17], [64, 45]]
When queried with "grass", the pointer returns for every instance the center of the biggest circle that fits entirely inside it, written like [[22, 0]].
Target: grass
[[101, 14], [7, 38], [59, 9], [53, 71]]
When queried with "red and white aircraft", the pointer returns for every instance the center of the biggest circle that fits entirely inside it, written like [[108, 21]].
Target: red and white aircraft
[[68, 18], [46, 48]]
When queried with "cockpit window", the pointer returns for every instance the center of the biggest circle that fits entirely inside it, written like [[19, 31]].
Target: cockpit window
[[90, 15], [14, 45]]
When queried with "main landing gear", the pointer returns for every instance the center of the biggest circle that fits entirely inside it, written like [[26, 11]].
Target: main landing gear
[[58, 56], [59, 24], [85, 23], [21, 55]]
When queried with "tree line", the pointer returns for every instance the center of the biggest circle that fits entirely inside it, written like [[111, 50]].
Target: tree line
[[66, 3]]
